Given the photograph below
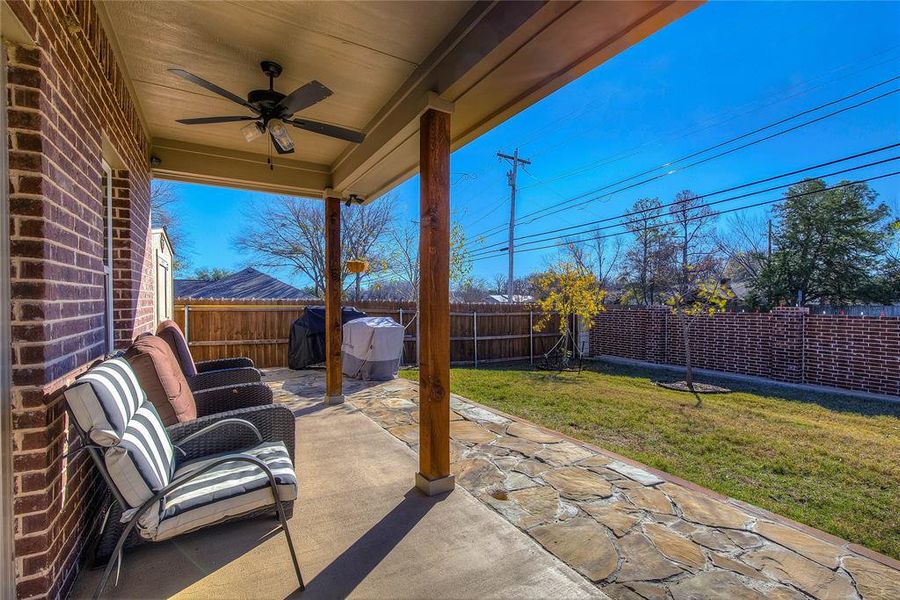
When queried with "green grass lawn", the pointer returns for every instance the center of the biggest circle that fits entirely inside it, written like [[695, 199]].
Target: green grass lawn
[[828, 461]]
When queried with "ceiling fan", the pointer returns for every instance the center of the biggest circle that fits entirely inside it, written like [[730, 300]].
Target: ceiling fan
[[272, 110]]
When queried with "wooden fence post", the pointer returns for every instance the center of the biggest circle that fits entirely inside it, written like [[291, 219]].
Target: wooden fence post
[[187, 323], [475, 335], [531, 337]]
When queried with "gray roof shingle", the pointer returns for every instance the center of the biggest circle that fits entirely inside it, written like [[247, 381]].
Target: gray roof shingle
[[248, 284]]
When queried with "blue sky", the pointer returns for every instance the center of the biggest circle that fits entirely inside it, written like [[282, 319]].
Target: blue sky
[[722, 70]]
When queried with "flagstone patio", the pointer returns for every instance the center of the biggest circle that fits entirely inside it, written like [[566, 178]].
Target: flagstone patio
[[632, 531]]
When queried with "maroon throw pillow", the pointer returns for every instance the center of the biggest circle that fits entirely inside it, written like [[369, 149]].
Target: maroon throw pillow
[[161, 378], [171, 333]]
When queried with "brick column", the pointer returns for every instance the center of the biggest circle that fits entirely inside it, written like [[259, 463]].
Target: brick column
[[787, 343]]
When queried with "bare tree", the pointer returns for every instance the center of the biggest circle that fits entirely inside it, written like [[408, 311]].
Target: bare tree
[[743, 242], [599, 256], [289, 233], [647, 264], [404, 259], [163, 214]]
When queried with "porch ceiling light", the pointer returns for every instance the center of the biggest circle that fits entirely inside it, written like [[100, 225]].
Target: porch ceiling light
[[283, 142], [253, 131]]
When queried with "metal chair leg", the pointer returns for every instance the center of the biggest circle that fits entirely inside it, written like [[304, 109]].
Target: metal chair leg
[[287, 534], [116, 556]]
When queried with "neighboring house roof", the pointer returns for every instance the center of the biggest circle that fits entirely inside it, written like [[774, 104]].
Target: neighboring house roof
[[501, 299], [248, 284]]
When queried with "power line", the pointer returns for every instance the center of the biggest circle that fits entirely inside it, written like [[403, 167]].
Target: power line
[[721, 212], [552, 209], [726, 190], [562, 206], [753, 107]]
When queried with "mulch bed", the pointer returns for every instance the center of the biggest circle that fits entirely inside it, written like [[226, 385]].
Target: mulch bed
[[699, 388]]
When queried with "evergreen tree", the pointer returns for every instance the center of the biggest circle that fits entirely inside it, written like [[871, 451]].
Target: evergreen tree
[[829, 245]]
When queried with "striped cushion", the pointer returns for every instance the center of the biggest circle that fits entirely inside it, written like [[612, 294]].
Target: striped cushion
[[229, 490], [231, 479], [110, 406], [104, 399], [142, 463]]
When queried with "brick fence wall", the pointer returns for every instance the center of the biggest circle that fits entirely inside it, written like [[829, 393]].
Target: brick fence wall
[[787, 344], [68, 102]]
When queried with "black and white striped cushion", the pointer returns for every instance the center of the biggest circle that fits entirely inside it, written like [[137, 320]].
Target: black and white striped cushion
[[104, 399], [110, 406], [230, 479], [142, 463]]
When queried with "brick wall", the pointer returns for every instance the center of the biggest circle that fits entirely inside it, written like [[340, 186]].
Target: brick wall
[[857, 353], [66, 95]]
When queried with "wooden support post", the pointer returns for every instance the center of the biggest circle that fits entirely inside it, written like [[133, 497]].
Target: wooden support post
[[434, 303], [334, 393]]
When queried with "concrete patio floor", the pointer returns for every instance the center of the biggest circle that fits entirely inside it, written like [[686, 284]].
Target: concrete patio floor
[[632, 531], [361, 530]]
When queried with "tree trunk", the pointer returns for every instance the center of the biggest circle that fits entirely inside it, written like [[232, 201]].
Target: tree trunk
[[688, 369]]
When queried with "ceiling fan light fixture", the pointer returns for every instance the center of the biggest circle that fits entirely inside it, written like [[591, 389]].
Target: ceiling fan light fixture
[[253, 131], [280, 135]]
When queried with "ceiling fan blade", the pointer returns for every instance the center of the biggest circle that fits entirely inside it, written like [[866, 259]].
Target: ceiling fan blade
[[330, 130], [278, 147], [304, 97], [211, 87], [209, 120]]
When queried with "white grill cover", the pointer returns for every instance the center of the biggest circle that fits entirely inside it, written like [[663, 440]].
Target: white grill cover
[[372, 348]]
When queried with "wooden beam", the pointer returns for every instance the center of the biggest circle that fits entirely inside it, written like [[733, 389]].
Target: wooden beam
[[434, 303], [334, 393]]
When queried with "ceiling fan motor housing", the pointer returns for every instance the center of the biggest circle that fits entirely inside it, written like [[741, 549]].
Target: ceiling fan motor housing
[[264, 100]]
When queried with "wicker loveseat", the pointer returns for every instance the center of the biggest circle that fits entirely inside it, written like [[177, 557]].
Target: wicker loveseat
[[171, 481]]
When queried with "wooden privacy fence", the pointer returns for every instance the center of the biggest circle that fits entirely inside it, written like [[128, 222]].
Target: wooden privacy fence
[[479, 333]]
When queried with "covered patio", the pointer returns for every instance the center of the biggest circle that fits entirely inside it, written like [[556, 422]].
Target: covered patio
[[405, 490], [92, 103]]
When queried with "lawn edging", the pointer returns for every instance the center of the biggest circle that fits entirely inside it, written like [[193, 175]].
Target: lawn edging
[[821, 389]]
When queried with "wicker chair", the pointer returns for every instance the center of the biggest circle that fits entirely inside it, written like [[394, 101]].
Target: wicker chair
[[183, 412], [207, 373], [235, 463]]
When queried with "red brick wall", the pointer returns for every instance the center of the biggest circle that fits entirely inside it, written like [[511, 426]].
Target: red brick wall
[[65, 95], [858, 353]]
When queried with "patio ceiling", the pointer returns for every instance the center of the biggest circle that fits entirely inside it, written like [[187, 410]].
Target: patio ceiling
[[485, 61]]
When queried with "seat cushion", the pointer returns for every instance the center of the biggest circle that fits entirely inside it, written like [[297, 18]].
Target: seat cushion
[[171, 333], [161, 378], [228, 490]]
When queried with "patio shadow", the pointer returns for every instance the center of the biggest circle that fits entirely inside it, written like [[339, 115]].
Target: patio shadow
[[347, 571]]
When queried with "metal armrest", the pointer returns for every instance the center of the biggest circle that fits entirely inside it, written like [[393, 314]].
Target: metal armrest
[[232, 397], [218, 425], [218, 364], [223, 377], [274, 422]]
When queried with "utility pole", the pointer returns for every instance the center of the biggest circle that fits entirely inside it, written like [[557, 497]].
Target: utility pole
[[511, 178]]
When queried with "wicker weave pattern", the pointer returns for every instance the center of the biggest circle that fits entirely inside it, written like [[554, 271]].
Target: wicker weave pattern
[[215, 379], [218, 364], [232, 397]]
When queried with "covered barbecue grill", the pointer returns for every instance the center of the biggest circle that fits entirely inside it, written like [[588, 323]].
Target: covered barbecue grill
[[372, 348], [306, 343]]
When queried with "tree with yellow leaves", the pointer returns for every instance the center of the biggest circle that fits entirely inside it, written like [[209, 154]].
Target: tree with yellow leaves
[[567, 289], [705, 298]]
